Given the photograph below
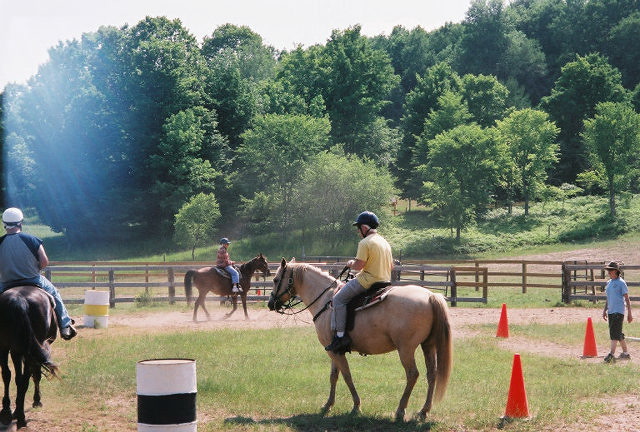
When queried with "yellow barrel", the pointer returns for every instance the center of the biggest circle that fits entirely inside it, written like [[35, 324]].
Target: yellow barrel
[[96, 309], [167, 392]]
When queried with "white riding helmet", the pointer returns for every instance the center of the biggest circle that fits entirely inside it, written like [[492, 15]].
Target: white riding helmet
[[12, 216]]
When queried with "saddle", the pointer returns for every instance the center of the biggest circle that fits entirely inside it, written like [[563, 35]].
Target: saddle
[[223, 272], [371, 297]]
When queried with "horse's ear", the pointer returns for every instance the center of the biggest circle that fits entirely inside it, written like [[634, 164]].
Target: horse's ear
[[293, 259], [283, 263]]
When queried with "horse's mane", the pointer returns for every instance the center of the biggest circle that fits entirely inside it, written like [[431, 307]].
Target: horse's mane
[[299, 270]]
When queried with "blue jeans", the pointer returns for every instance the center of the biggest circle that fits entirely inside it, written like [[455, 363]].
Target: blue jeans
[[235, 276], [61, 312], [340, 301]]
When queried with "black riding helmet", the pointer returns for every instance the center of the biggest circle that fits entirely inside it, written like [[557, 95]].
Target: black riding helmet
[[367, 218]]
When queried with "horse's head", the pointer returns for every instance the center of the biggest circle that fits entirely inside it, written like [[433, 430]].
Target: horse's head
[[283, 290], [262, 264]]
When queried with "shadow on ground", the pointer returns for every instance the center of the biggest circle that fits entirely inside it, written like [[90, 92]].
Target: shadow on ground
[[344, 422]]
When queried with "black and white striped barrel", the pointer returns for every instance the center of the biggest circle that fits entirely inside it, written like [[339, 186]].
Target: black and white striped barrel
[[166, 395]]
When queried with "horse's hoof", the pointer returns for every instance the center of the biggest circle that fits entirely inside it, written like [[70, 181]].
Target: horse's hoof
[[325, 410], [37, 405], [400, 416], [421, 416], [21, 423], [355, 411]]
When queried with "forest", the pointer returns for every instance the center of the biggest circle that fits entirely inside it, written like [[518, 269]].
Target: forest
[[144, 130]]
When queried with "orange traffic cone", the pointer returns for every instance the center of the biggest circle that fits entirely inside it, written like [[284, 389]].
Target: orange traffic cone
[[503, 325], [517, 406], [590, 349]]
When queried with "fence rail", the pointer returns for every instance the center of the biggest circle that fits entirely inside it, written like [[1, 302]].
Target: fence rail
[[458, 280]]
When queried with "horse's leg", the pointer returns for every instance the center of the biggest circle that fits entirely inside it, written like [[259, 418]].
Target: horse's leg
[[5, 414], [23, 376], [200, 303], [234, 302], [202, 299], [36, 373], [244, 304], [407, 358], [333, 379], [340, 362], [430, 361]]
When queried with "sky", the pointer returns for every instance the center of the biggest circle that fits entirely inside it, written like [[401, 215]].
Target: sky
[[28, 28]]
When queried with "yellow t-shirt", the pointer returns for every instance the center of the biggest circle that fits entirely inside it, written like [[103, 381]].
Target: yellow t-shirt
[[376, 253]]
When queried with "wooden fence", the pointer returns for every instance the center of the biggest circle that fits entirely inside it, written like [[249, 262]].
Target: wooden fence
[[586, 281], [458, 280]]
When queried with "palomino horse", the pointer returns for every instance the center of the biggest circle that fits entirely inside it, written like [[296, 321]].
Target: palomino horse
[[409, 316], [27, 327], [207, 279]]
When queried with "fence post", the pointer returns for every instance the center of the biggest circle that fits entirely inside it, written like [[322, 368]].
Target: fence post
[[524, 278], [477, 276], [172, 286], [454, 288], [485, 284], [566, 289], [112, 288]]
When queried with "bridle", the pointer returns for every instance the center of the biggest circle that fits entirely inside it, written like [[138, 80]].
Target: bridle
[[292, 302]]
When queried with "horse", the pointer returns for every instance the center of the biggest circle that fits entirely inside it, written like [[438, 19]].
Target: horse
[[409, 316], [207, 279], [27, 328]]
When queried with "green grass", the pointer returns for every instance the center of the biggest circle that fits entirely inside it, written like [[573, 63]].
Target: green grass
[[277, 379]]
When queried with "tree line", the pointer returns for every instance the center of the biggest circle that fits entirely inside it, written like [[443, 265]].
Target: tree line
[[142, 129]]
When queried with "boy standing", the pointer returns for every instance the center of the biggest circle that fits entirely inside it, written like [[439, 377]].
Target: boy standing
[[613, 312]]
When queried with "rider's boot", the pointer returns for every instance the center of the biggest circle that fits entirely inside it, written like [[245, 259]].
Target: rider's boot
[[237, 288], [339, 345], [68, 332]]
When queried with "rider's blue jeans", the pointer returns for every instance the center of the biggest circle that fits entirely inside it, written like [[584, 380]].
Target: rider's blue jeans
[[61, 311], [235, 276], [340, 301]]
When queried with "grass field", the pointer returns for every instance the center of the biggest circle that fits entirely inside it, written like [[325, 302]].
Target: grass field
[[277, 379]]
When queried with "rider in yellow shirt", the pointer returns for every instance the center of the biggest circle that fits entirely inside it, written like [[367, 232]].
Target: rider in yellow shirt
[[373, 262]]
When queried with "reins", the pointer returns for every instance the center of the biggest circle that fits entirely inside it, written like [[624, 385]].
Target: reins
[[290, 304]]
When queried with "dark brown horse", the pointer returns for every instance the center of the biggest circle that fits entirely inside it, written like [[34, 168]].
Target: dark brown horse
[[207, 279], [27, 328]]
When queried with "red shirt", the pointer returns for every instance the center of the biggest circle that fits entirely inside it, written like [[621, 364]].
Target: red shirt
[[223, 259]]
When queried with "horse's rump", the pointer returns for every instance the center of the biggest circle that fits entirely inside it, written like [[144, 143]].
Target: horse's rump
[[28, 322]]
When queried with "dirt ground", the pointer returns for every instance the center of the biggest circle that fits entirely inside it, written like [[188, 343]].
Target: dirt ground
[[624, 414]]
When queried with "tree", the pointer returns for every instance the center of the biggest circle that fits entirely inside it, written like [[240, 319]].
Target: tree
[[453, 112], [238, 62], [461, 174], [484, 41], [333, 189], [624, 51], [422, 100], [182, 165], [274, 153], [486, 98], [357, 83], [613, 139], [244, 47], [583, 83], [195, 222], [529, 138]]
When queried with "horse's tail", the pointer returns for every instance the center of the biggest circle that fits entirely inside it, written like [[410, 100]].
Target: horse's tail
[[440, 339], [187, 285], [23, 337]]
